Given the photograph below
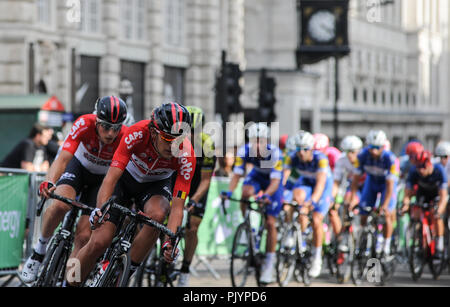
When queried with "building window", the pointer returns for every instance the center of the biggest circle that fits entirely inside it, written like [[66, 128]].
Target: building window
[[44, 11], [365, 96], [89, 84], [135, 73], [133, 19], [90, 16], [355, 95], [375, 97], [174, 82], [174, 16]]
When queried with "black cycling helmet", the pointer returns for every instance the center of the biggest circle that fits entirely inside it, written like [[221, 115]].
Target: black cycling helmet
[[169, 118], [111, 109]]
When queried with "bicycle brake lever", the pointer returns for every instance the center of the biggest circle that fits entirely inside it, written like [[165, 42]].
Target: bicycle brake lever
[[40, 206]]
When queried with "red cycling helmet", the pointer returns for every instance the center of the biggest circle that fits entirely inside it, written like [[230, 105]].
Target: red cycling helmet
[[414, 148], [423, 159], [282, 141]]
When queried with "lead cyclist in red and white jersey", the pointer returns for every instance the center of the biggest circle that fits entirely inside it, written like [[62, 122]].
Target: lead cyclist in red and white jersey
[[148, 154], [79, 169]]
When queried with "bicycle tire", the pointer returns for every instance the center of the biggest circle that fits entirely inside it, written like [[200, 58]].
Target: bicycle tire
[[344, 268], [287, 256], [241, 244], [116, 274], [416, 253], [49, 274], [362, 254]]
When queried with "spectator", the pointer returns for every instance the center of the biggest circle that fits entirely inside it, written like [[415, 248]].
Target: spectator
[[225, 165], [30, 153], [53, 146]]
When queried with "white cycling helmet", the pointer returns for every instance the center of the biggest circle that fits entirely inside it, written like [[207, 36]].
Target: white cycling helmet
[[351, 143], [304, 140], [442, 149], [291, 141], [376, 138], [259, 130]]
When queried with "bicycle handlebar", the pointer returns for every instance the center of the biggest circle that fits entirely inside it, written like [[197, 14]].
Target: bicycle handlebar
[[71, 202]]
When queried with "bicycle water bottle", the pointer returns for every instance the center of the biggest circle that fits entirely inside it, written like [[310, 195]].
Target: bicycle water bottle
[[379, 244], [257, 238]]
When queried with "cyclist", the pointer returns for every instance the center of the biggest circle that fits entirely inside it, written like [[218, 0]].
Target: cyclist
[[265, 178], [345, 171], [79, 169], [382, 177], [312, 190], [431, 180], [442, 151], [407, 161], [322, 143], [141, 169], [198, 194]]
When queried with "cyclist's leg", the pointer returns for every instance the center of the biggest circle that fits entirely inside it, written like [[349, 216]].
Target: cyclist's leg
[[301, 194], [99, 241], [368, 199], [390, 219], [250, 187], [191, 238], [272, 212]]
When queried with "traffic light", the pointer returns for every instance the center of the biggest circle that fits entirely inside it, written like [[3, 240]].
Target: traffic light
[[228, 90], [266, 98]]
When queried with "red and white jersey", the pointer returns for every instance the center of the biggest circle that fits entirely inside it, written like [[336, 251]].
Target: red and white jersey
[[84, 144], [137, 155]]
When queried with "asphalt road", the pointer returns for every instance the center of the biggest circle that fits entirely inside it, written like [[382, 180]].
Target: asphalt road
[[202, 277]]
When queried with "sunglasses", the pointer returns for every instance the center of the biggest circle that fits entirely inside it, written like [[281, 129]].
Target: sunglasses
[[443, 157], [374, 147], [108, 126], [165, 136], [303, 149]]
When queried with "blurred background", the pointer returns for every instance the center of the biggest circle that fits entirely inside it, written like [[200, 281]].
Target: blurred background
[[336, 67]]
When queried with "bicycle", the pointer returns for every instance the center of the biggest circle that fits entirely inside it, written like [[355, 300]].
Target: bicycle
[[53, 269], [245, 253], [345, 248], [367, 258], [114, 268], [293, 255], [421, 241]]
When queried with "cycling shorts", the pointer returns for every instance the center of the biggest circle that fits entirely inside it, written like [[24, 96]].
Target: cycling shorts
[[370, 194], [85, 184], [261, 182], [323, 205], [128, 189]]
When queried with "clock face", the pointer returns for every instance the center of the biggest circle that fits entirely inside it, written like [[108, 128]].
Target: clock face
[[322, 26]]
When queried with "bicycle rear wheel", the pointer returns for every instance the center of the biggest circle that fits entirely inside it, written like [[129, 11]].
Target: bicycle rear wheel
[[345, 258], [416, 251], [240, 256], [287, 256]]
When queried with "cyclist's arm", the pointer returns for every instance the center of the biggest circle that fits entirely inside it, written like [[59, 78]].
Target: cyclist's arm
[[203, 187], [286, 174], [443, 195], [335, 189], [388, 193], [58, 166], [273, 186], [29, 166], [354, 188], [109, 183], [234, 182], [321, 179]]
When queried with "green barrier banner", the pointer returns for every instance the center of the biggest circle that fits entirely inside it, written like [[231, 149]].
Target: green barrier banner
[[13, 209], [216, 232]]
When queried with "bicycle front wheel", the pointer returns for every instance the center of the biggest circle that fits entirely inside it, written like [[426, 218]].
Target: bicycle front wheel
[[287, 256], [363, 253], [53, 270], [116, 274], [240, 256], [416, 251], [345, 253]]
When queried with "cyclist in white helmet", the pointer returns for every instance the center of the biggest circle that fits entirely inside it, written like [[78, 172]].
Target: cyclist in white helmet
[[442, 152], [343, 175], [312, 190], [382, 169], [264, 182]]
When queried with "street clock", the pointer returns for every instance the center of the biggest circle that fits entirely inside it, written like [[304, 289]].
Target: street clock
[[323, 30]]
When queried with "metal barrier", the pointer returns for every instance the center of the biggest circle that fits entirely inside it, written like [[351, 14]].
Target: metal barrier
[[32, 224]]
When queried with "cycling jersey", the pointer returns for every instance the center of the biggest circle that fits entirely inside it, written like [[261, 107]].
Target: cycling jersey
[[83, 142], [206, 162], [270, 165], [430, 185], [385, 167], [264, 170], [137, 155], [333, 155], [308, 172]]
